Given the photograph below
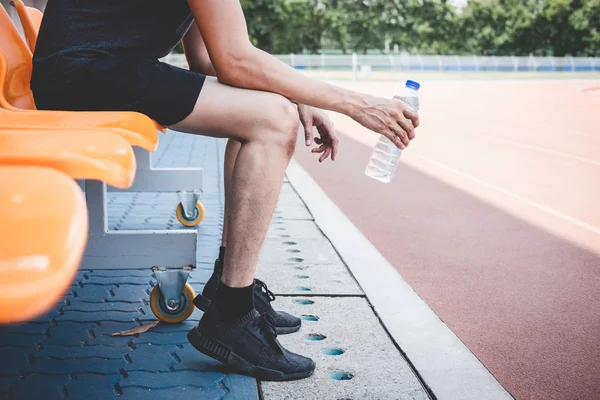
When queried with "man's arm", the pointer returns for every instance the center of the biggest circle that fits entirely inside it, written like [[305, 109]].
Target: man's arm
[[196, 53], [199, 61], [238, 63]]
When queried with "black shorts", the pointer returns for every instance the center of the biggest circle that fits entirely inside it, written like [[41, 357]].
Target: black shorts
[[165, 93]]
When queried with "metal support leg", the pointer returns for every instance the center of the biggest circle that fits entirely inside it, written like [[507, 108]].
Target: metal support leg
[[188, 202], [132, 249], [149, 179], [171, 283]]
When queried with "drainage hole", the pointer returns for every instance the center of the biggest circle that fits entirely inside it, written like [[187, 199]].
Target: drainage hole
[[341, 376], [290, 243], [315, 336], [293, 251], [308, 317], [303, 289], [304, 302], [302, 276], [333, 352], [296, 259]]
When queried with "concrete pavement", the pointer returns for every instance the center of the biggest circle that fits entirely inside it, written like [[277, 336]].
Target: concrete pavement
[[69, 353]]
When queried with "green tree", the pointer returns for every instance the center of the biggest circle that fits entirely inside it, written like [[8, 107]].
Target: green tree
[[497, 27], [522, 27], [356, 25], [430, 26], [572, 26], [286, 26]]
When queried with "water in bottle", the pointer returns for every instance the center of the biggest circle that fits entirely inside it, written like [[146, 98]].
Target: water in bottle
[[384, 159]]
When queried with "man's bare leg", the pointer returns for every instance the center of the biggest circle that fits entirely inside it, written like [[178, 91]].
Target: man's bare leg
[[232, 330], [208, 292], [266, 125], [284, 323], [231, 152]]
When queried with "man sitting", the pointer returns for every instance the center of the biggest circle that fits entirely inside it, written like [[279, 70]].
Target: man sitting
[[102, 55]]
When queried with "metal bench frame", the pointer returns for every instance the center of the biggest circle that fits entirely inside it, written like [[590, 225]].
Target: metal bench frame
[[140, 249]]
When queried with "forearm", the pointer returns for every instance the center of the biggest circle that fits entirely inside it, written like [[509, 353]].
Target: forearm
[[196, 54], [205, 68], [222, 25], [258, 70]]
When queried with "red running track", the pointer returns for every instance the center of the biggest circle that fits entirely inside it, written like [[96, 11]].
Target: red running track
[[493, 218]]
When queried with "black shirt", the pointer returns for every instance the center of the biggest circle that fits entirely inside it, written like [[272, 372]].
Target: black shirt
[[142, 28]]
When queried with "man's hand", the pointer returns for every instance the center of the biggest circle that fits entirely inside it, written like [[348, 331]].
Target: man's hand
[[311, 117], [389, 117]]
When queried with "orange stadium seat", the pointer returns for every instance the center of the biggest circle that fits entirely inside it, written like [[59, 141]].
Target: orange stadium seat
[[43, 227], [97, 155], [16, 96], [31, 20]]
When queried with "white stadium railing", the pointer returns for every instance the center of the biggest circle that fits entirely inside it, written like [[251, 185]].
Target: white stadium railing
[[390, 62]]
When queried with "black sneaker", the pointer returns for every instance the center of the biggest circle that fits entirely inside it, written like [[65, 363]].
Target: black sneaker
[[284, 322], [250, 346]]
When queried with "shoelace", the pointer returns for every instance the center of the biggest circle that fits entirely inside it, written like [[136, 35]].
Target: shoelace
[[266, 326], [264, 290]]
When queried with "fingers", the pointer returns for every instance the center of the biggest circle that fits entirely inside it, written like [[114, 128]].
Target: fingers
[[327, 130], [325, 149], [413, 116], [307, 123], [405, 114], [400, 135], [325, 155], [407, 129], [393, 136], [334, 149]]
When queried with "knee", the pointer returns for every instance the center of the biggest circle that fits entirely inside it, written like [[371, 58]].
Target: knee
[[283, 123], [290, 123]]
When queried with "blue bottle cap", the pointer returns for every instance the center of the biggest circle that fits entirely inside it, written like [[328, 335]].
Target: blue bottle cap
[[413, 85]]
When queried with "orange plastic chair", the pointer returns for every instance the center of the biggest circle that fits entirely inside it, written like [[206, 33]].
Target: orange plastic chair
[[136, 128], [96, 155], [31, 20], [43, 226], [41, 120], [16, 91], [15, 94]]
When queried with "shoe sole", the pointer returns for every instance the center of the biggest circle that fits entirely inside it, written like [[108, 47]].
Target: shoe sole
[[217, 350], [203, 304], [284, 330]]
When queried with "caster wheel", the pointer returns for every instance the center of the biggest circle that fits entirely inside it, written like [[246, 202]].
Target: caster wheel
[[181, 313], [196, 217]]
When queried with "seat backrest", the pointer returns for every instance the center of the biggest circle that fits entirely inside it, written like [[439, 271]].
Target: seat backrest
[[31, 19], [15, 91]]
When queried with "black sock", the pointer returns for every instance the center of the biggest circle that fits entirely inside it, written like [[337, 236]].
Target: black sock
[[220, 261], [233, 303]]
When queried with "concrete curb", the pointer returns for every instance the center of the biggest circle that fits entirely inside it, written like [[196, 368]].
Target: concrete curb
[[445, 364]]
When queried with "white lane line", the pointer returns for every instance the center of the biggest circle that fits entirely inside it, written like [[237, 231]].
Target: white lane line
[[531, 203], [569, 131], [537, 148]]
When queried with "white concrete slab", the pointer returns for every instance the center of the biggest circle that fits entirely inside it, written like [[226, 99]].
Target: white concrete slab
[[446, 365], [348, 326]]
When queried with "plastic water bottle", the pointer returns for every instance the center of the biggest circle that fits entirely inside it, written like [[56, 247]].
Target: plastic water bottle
[[384, 159]]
